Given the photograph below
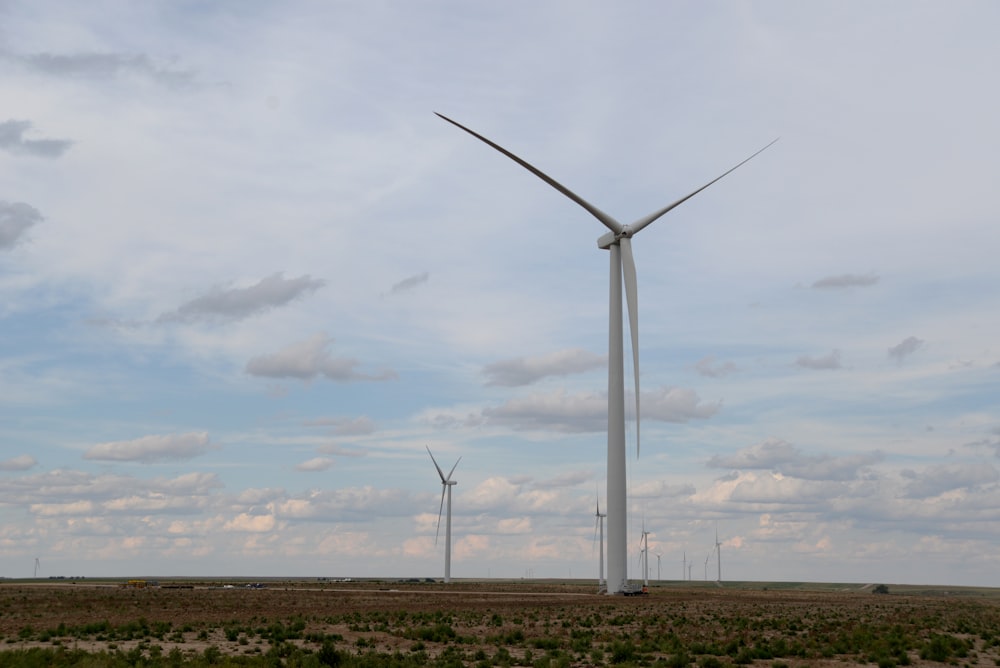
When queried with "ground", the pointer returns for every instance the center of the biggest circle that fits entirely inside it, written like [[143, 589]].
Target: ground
[[516, 622]]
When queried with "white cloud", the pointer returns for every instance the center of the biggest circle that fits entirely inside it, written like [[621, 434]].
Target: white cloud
[[845, 281], [905, 348], [825, 362], [153, 448], [307, 360], [12, 140], [16, 218], [226, 305], [528, 370], [19, 463], [315, 464], [409, 283]]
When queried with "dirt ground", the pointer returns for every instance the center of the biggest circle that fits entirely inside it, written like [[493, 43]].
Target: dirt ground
[[524, 618]]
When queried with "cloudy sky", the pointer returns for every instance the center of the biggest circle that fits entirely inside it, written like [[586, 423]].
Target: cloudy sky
[[247, 276]]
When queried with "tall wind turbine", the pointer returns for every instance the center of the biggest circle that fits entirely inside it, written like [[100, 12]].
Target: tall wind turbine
[[718, 553], [618, 241], [599, 522], [37, 566], [684, 566], [658, 555], [446, 484]]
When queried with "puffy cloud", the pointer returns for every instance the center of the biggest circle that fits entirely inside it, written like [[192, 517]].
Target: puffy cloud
[[941, 478], [227, 305], [81, 507], [100, 66], [528, 370], [845, 281], [12, 140], [786, 459], [706, 366], [409, 283], [826, 362], [15, 220], [343, 426], [905, 348], [315, 464], [153, 448], [557, 410], [19, 463], [309, 359], [245, 522], [675, 404]]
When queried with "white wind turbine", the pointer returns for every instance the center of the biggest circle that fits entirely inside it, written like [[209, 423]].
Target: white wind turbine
[[718, 553], [446, 484], [645, 556], [618, 241], [658, 555], [599, 522]]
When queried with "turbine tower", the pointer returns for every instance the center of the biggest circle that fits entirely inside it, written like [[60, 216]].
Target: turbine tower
[[658, 555], [645, 556], [684, 565], [446, 484], [599, 522], [37, 566], [618, 241]]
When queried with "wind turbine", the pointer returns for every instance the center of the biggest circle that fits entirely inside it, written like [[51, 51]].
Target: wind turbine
[[600, 522], [645, 556], [718, 553], [446, 484], [37, 566], [684, 565], [618, 241], [658, 555]]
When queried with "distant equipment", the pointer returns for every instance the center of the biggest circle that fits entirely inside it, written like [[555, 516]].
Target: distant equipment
[[618, 241], [37, 566], [446, 484]]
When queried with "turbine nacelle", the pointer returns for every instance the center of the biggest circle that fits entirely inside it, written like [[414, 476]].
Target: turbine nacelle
[[609, 239]]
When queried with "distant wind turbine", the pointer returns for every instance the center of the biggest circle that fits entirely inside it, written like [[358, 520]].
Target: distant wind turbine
[[718, 553], [658, 555], [446, 484], [618, 241], [645, 556], [684, 565], [37, 566], [599, 522]]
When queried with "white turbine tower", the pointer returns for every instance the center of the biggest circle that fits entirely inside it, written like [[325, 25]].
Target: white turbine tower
[[645, 556], [684, 565], [446, 484], [658, 555], [599, 523], [37, 566], [618, 241]]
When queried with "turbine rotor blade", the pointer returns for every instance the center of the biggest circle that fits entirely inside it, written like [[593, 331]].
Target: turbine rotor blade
[[643, 222], [605, 219], [632, 298], [437, 532], [440, 472], [452, 470]]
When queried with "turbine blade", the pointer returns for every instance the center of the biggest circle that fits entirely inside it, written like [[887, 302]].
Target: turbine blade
[[441, 508], [643, 222], [631, 288], [440, 472], [605, 219], [453, 469]]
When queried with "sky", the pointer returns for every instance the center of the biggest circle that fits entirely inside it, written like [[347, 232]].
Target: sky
[[248, 278]]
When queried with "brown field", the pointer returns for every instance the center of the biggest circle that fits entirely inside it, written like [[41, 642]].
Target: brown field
[[518, 622]]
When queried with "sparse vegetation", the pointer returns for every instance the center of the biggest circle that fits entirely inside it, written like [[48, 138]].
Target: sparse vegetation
[[482, 626]]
